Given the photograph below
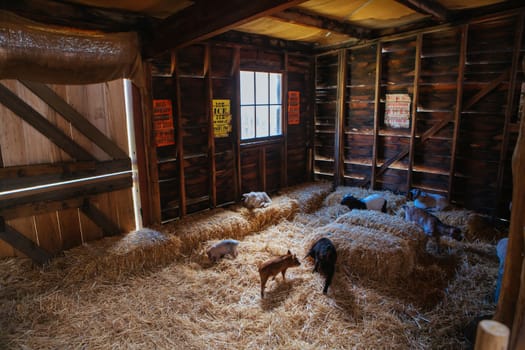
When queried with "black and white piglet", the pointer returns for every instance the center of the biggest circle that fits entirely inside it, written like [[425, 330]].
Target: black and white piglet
[[324, 254]]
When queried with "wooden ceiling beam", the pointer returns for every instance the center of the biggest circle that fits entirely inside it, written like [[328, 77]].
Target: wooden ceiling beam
[[206, 19], [78, 16], [427, 7], [313, 20]]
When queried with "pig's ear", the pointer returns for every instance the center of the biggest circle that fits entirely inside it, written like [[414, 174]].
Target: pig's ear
[[289, 252]]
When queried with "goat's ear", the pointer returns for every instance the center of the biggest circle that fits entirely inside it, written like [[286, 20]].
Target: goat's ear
[[289, 252]]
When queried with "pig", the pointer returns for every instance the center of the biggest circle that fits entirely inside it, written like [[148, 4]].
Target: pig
[[275, 265], [431, 225], [252, 200], [371, 202], [222, 248], [324, 254]]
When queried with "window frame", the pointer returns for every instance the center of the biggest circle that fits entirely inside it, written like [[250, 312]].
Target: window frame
[[268, 105]]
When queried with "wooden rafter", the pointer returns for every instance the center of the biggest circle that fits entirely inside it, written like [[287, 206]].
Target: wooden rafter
[[314, 20], [205, 19], [79, 16], [427, 7], [42, 125]]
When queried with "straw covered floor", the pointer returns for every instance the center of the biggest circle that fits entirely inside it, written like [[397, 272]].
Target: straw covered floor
[[156, 289]]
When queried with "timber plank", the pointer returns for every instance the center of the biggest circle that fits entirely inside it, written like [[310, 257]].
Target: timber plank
[[48, 231], [36, 120], [70, 232], [65, 192], [100, 218], [23, 244], [76, 119], [40, 174]]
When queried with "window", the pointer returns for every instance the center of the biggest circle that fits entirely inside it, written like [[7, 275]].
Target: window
[[261, 114]]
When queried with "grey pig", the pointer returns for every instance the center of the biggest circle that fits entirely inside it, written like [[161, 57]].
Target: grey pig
[[220, 249]]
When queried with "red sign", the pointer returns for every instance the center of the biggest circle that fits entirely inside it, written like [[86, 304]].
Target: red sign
[[294, 107], [163, 123]]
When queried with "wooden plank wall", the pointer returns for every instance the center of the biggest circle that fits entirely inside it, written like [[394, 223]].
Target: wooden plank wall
[[22, 147], [208, 71], [464, 83]]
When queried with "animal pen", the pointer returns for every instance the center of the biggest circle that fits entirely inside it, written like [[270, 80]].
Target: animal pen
[[130, 132]]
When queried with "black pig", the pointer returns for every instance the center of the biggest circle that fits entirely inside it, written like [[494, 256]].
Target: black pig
[[324, 254]]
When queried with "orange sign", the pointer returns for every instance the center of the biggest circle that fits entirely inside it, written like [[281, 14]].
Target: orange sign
[[163, 123], [294, 107]]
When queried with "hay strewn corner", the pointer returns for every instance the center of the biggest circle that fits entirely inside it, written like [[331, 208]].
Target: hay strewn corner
[[156, 289]]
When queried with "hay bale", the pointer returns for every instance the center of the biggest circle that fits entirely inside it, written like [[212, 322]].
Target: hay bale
[[310, 196], [282, 208], [394, 225], [394, 201], [117, 257], [368, 252], [194, 230], [485, 228]]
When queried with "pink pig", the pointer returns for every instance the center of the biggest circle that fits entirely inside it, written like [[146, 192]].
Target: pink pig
[[222, 248]]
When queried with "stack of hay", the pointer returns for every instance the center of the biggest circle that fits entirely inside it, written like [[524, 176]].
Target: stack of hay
[[375, 245]]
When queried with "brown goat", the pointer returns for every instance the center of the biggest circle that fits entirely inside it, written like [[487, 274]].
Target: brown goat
[[431, 225]]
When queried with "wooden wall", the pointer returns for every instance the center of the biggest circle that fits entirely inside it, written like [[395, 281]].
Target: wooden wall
[[464, 83], [201, 171], [57, 133]]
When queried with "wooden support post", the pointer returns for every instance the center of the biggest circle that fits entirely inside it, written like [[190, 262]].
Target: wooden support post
[[377, 109], [284, 121], [512, 288], [22, 243], [237, 123], [180, 148], [413, 123], [211, 134], [509, 109], [100, 219], [340, 119], [491, 335], [458, 107]]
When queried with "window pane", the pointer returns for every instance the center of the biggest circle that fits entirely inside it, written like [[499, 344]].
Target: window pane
[[247, 122], [275, 88], [247, 85], [261, 88], [262, 121], [275, 120]]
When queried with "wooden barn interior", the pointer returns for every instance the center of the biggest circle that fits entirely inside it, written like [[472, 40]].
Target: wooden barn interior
[[130, 131]]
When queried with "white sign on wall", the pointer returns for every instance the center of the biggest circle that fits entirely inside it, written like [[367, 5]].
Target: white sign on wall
[[397, 110]]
